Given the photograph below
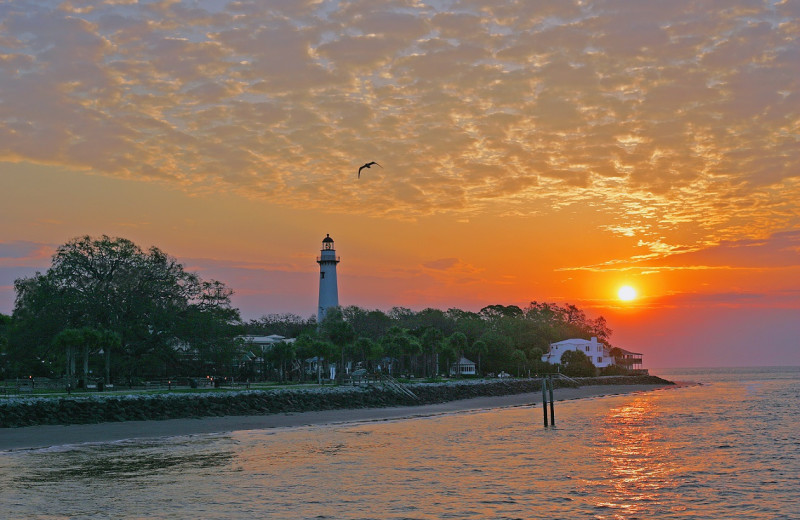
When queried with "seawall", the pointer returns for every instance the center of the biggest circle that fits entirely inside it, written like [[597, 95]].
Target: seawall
[[17, 412]]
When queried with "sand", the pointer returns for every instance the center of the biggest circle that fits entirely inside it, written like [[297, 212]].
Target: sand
[[33, 437]]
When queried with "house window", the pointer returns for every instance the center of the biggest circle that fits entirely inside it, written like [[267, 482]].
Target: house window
[[599, 359], [587, 349]]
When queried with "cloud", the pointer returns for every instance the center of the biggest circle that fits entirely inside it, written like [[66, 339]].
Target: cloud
[[20, 259], [668, 115], [442, 264], [450, 275], [781, 299], [737, 299], [17, 249], [778, 252], [25, 254]]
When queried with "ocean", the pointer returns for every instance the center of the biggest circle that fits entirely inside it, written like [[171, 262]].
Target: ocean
[[728, 447]]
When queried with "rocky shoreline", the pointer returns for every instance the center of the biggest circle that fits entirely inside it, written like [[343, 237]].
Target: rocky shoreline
[[20, 412]]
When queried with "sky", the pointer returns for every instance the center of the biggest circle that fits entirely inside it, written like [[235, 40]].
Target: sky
[[529, 151]]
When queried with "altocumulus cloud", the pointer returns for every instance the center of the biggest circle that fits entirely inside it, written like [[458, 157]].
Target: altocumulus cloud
[[660, 112]]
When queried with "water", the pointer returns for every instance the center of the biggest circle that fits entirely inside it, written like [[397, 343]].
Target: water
[[725, 449]]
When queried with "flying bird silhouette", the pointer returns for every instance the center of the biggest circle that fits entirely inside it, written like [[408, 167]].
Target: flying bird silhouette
[[367, 166]]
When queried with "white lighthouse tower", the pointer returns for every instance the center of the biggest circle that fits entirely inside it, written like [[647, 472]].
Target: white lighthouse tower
[[328, 287]]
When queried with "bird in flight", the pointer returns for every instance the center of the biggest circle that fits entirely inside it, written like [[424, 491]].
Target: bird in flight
[[367, 166]]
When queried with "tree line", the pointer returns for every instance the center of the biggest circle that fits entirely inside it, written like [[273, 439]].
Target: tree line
[[426, 343], [108, 310]]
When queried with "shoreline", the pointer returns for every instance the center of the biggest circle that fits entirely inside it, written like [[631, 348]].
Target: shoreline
[[47, 436]]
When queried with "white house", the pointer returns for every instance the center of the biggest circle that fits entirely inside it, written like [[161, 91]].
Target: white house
[[464, 367], [265, 341], [597, 352], [261, 344], [258, 346]]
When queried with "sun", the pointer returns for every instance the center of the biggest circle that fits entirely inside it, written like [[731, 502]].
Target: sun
[[626, 293]]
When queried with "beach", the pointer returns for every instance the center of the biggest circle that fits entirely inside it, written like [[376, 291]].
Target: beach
[[33, 437]]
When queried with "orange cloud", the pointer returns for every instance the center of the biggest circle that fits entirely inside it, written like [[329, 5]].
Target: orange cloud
[[680, 121]]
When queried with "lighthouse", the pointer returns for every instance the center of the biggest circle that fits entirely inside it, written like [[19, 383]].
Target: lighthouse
[[328, 287]]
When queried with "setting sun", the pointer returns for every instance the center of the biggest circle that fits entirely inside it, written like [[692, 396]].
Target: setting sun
[[626, 293]]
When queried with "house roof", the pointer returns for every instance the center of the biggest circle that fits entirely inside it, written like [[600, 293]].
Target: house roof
[[267, 340], [573, 341]]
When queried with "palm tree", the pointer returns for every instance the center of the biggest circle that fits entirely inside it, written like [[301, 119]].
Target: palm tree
[[519, 359], [432, 340], [457, 343], [480, 349]]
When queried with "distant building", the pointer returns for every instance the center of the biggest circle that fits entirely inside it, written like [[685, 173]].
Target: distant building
[[257, 347], [597, 352], [262, 342], [328, 286], [464, 367], [629, 360]]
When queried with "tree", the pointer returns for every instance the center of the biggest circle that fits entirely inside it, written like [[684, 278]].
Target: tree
[[366, 350], [450, 355], [402, 317], [457, 342], [369, 324], [210, 328], [281, 355], [479, 349], [576, 364], [520, 360], [145, 297], [431, 340], [339, 332], [315, 349], [431, 319], [499, 350], [5, 330], [323, 351], [5, 327], [399, 344], [493, 312], [599, 329], [40, 313], [287, 325], [471, 325], [535, 358], [304, 350], [85, 340]]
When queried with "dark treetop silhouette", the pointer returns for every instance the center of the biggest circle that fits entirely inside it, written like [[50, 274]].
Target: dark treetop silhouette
[[367, 166]]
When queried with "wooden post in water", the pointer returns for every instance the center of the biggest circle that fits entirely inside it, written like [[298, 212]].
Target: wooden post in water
[[552, 410], [544, 399]]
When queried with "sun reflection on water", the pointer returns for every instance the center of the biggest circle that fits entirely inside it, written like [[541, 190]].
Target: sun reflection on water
[[637, 457]]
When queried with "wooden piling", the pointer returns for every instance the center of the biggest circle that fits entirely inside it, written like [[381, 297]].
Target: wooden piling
[[544, 400], [552, 409]]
